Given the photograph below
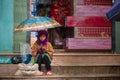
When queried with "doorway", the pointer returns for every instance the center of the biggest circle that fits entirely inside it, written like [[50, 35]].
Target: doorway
[[58, 10]]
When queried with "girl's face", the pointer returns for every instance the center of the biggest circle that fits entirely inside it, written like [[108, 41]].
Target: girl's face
[[42, 37]]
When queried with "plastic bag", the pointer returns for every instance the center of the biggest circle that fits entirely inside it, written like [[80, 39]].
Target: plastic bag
[[25, 50], [16, 59], [26, 58]]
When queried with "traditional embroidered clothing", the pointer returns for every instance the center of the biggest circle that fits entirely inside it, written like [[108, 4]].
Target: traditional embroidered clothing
[[42, 50], [48, 48]]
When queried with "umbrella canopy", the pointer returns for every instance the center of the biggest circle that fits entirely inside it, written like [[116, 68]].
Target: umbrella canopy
[[37, 23]]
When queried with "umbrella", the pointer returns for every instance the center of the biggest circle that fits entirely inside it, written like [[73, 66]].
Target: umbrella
[[37, 23]]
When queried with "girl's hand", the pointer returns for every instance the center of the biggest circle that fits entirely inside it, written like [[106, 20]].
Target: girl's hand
[[42, 50]]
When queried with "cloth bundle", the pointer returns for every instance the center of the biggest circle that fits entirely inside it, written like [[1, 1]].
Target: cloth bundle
[[27, 69]]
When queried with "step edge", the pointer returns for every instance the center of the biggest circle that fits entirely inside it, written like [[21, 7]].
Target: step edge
[[61, 76], [67, 54], [72, 65]]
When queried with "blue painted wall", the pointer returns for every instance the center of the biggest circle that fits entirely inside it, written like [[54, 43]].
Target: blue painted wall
[[6, 26]]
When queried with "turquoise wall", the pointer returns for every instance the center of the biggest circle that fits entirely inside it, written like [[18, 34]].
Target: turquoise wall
[[0, 8], [6, 26]]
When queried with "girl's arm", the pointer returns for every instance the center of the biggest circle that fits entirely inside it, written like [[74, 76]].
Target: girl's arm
[[34, 49], [50, 50]]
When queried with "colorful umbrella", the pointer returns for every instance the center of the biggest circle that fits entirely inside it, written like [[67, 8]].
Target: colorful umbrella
[[37, 23]]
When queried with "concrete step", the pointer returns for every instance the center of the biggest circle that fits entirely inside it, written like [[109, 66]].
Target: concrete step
[[77, 66], [68, 52], [88, 59], [65, 68], [76, 63], [64, 77], [99, 59]]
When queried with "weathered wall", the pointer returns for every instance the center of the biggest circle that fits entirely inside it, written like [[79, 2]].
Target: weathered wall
[[20, 14], [117, 38], [6, 26]]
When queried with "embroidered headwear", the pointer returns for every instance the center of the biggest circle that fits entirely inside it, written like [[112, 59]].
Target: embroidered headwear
[[40, 33]]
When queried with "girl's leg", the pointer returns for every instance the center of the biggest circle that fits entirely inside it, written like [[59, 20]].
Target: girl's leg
[[39, 61], [47, 63]]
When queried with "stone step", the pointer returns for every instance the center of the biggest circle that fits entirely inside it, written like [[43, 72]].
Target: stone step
[[93, 66], [64, 77], [88, 59], [77, 69], [68, 52], [99, 59], [65, 68]]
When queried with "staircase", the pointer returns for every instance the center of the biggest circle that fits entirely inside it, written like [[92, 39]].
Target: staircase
[[72, 66]]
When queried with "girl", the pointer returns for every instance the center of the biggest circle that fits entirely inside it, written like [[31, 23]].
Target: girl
[[42, 51]]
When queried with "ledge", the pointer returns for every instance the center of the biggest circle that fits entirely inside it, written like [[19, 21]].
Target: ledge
[[59, 76]]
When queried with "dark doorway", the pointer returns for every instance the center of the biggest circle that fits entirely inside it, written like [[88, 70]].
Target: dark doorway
[[52, 8]]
